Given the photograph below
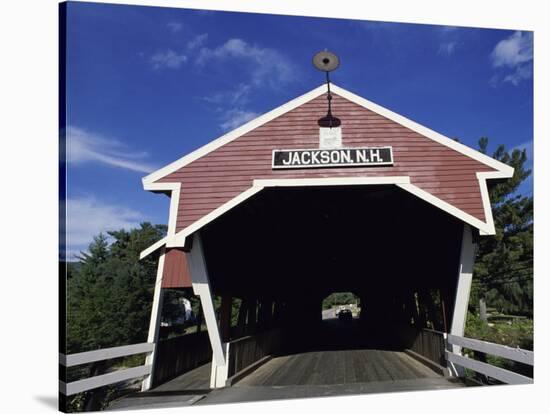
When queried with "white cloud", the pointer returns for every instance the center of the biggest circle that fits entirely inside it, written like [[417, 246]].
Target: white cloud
[[174, 26], [515, 53], [168, 59], [514, 50], [197, 41], [449, 39], [267, 65], [237, 95], [87, 217], [236, 117], [84, 146], [521, 72], [447, 48]]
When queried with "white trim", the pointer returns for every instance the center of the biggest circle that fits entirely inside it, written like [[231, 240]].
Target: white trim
[[220, 373], [161, 186], [464, 282], [173, 214], [154, 324], [515, 354], [179, 239], [463, 287], [487, 210], [494, 174], [105, 353], [320, 90], [482, 178], [152, 248], [328, 181], [232, 135], [201, 288], [175, 190], [449, 208], [428, 133], [82, 385], [500, 374], [258, 185]]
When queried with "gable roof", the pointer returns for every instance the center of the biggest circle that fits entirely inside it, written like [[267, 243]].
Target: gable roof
[[504, 171], [177, 238]]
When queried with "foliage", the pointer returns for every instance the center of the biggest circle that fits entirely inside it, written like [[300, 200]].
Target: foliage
[[339, 298], [109, 297], [503, 272], [516, 334]]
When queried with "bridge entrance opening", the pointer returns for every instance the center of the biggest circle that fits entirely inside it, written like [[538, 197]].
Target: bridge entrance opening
[[285, 250], [277, 274], [344, 306]]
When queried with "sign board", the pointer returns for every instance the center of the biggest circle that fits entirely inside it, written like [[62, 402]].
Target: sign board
[[337, 157], [330, 137]]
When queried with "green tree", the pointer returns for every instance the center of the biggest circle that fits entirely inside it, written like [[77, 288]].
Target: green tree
[[503, 272], [339, 298], [109, 296]]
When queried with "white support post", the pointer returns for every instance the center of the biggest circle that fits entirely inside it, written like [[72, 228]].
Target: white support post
[[154, 324], [201, 287], [460, 312]]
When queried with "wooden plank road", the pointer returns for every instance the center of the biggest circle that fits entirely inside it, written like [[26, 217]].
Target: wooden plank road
[[248, 393], [301, 375], [333, 373], [337, 362], [338, 367], [184, 390]]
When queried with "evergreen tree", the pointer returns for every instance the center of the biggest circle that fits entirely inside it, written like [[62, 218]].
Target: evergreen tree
[[109, 295], [503, 272]]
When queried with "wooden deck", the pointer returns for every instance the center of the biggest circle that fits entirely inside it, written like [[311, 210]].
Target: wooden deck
[[246, 393], [182, 391], [333, 373], [338, 367], [301, 375]]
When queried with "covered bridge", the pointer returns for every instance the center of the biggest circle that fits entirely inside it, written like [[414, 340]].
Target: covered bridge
[[281, 212]]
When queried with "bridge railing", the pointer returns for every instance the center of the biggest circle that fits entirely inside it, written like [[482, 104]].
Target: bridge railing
[[180, 354], [430, 344], [97, 381], [426, 345], [514, 354], [248, 351]]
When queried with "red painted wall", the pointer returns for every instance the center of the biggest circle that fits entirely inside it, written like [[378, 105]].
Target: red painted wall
[[217, 177], [175, 271]]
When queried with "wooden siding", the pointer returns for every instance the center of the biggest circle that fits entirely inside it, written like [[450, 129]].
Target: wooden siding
[[175, 273], [217, 177]]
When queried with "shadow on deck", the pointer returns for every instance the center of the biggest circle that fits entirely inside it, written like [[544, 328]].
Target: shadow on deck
[[333, 373], [338, 361], [182, 391]]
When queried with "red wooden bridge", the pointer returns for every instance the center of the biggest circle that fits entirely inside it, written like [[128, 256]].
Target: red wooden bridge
[[280, 213]]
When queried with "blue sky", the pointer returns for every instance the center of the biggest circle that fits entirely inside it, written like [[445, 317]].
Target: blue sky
[[147, 85]]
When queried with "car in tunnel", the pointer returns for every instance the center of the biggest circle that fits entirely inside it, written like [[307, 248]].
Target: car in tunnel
[[345, 315]]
